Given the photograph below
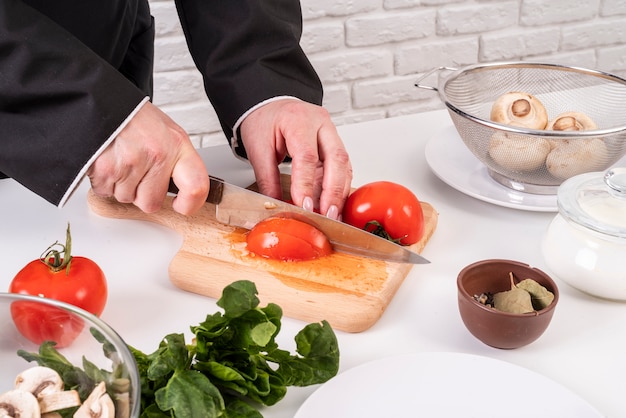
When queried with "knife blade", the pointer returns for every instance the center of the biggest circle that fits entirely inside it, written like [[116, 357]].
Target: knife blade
[[245, 208]]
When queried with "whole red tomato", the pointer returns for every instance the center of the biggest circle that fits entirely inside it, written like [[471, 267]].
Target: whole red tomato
[[287, 240], [386, 209], [58, 275]]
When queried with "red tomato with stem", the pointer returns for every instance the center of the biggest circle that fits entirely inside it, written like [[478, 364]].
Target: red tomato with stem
[[386, 209], [287, 239], [57, 275]]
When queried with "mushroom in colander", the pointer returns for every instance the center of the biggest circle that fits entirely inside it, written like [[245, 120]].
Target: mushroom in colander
[[570, 157], [576, 156], [518, 152], [521, 109], [572, 121]]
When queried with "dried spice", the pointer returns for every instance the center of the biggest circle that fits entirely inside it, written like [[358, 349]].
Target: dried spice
[[541, 297], [515, 300], [524, 297]]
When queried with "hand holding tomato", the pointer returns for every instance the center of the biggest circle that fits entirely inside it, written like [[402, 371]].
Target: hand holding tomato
[[386, 209], [57, 275]]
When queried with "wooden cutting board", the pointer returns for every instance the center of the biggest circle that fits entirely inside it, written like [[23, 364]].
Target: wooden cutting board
[[350, 292]]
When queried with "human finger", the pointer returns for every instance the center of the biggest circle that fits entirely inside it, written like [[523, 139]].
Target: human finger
[[265, 148], [306, 171], [337, 171], [192, 179]]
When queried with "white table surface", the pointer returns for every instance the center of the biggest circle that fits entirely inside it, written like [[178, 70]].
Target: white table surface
[[584, 349]]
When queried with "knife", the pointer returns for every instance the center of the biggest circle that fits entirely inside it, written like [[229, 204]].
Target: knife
[[245, 208]]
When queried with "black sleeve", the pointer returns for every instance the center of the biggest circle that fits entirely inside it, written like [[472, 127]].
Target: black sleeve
[[59, 101], [248, 51]]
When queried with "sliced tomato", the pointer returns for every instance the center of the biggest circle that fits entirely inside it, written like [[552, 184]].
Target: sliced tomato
[[287, 239]]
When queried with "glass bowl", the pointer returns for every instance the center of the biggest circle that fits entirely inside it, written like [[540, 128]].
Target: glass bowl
[[85, 341], [585, 243]]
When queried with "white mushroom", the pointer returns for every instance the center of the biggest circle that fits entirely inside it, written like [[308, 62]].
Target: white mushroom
[[572, 121], [59, 400], [518, 152], [47, 386], [570, 157], [121, 397], [519, 109], [19, 404], [39, 380], [97, 404], [577, 156]]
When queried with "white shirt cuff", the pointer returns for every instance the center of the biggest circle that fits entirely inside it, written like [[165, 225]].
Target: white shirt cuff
[[235, 141], [83, 171]]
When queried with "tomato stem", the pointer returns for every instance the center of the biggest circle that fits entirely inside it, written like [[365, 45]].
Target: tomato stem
[[375, 227], [58, 256]]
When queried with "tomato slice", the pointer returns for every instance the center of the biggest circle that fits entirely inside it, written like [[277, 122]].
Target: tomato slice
[[287, 239]]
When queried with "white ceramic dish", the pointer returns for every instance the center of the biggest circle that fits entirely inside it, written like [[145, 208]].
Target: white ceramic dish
[[443, 385], [455, 165]]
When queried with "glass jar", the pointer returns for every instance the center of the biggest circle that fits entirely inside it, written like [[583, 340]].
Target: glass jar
[[585, 244]]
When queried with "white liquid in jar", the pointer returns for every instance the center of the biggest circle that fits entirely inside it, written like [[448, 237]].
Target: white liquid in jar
[[585, 259]]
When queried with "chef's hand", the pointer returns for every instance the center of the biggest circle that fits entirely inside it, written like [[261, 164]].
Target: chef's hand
[[321, 172], [137, 166]]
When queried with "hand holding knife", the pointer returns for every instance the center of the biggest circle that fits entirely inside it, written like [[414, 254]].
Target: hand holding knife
[[244, 208]]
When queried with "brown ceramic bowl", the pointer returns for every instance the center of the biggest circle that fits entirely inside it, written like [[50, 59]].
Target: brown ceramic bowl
[[496, 328]]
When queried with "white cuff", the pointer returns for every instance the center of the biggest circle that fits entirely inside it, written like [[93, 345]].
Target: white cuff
[[83, 171], [235, 141]]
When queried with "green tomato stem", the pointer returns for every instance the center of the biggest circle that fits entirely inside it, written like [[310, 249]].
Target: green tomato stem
[[58, 256], [376, 228]]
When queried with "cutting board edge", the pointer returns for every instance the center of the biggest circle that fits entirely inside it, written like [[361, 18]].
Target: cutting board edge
[[347, 312]]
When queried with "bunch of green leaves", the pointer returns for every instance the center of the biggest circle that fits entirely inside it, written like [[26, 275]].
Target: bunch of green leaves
[[234, 361]]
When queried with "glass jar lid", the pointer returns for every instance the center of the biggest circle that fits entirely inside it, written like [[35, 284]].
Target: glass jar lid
[[596, 201]]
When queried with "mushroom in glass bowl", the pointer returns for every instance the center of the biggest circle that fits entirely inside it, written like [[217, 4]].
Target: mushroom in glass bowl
[[94, 376]]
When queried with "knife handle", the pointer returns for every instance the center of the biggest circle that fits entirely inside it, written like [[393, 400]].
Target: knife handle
[[215, 191]]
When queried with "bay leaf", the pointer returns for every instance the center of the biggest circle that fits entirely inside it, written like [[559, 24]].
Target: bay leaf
[[540, 296], [515, 300]]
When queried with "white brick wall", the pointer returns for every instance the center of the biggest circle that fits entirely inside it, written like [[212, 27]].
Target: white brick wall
[[369, 53]]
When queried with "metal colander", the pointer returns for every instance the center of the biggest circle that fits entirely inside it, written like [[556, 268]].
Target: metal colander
[[469, 94]]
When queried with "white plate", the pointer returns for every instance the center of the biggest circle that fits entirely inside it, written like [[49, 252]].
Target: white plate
[[453, 163], [447, 385]]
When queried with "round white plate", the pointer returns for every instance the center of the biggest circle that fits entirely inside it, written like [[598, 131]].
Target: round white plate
[[455, 165], [447, 385]]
